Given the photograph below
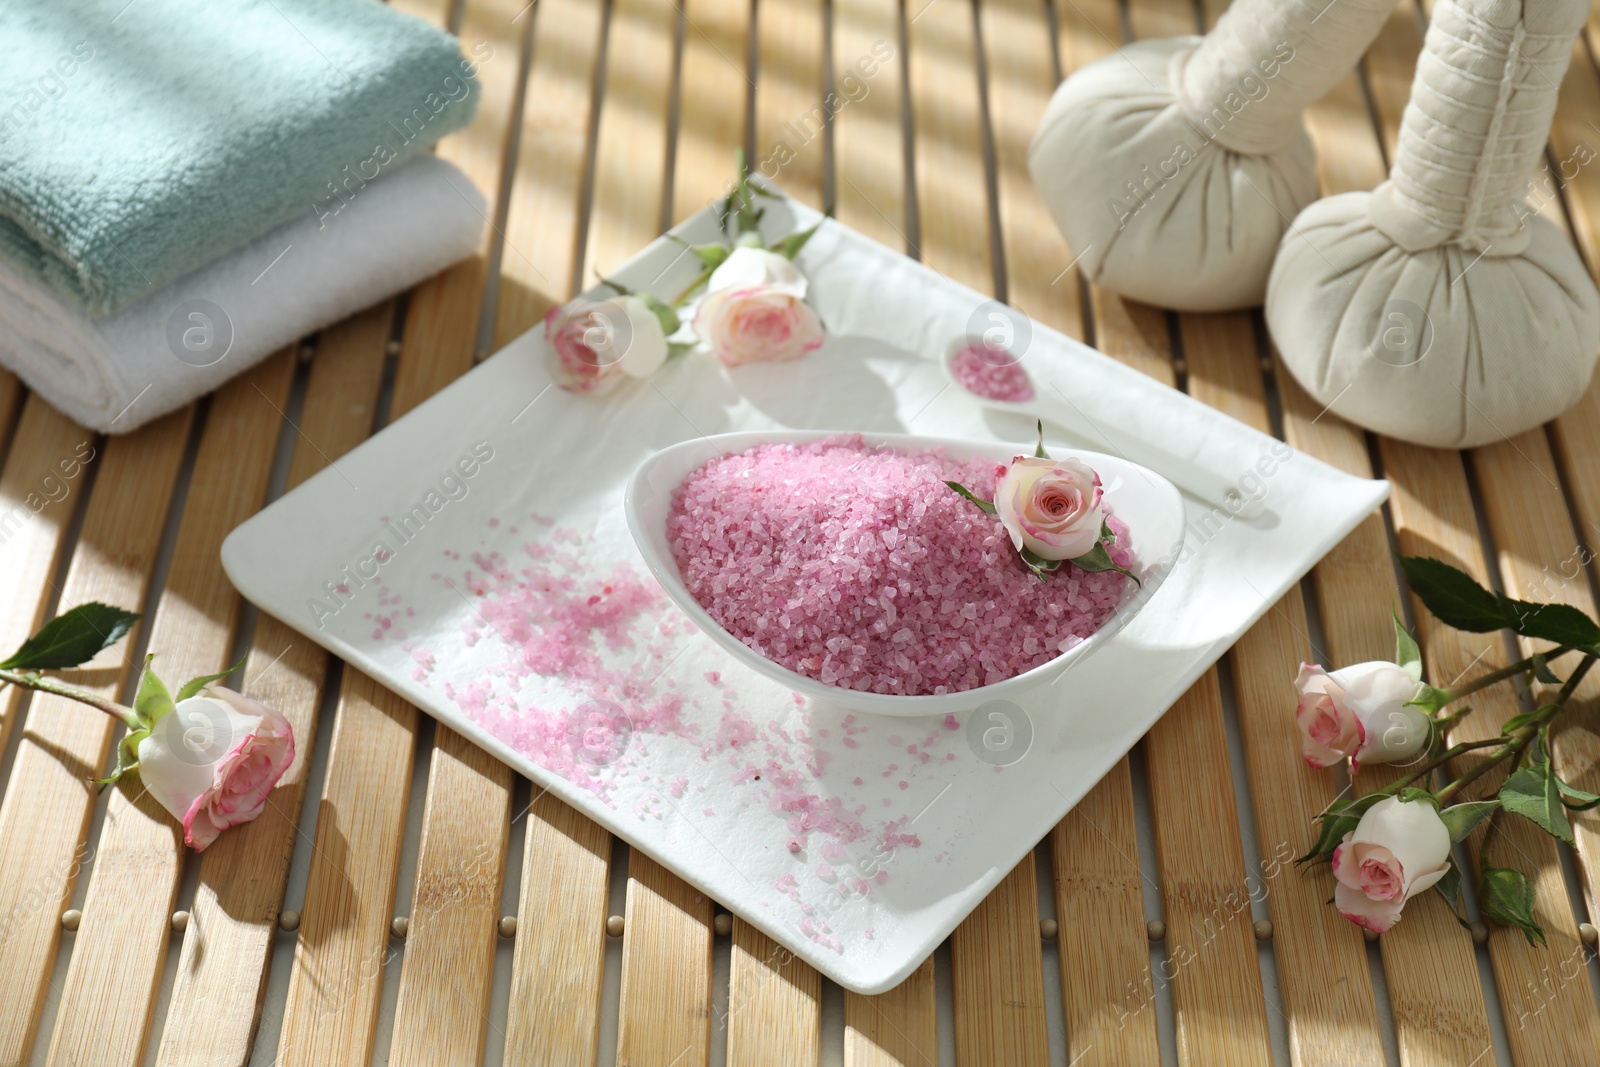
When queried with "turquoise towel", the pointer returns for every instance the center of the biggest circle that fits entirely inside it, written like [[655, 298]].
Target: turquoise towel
[[140, 141]]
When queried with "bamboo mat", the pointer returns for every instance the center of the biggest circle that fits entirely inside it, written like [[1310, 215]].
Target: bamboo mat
[[603, 122]]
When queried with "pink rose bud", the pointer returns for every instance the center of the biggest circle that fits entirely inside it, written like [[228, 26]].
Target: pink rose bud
[[1050, 506], [595, 344], [1398, 849], [1359, 712], [212, 760], [757, 325]]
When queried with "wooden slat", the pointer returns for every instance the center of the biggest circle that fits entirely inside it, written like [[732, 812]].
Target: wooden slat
[[378, 728], [995, 957], [774, 1004], [632, 137], [538, 267], [331, 1013], [442, 1008], [558, 964], [1432, 511], [12, 397], [441, 1013], [1107, 989], [666, 970], [894, 1029], [37, 502], [1323, 977], [897, 1027], [869, 135], [120, 950], [996, 976], [557, 968], [1021, 77], [1217, 999], [44, 819], [1435, 998], [233, 917], [1391, 64], [666, 954], [790, 118], [1104, 958], [1431, 971], [554, 1015], [1547, 1021], [1542, 558], [1215, 980], [947, 142], [713, 89]]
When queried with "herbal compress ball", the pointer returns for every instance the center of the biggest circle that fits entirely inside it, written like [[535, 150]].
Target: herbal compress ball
[[1440, 308], [1172, 166]]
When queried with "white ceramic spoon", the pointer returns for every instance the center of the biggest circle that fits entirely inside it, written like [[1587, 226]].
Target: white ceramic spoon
[[1057, 409]]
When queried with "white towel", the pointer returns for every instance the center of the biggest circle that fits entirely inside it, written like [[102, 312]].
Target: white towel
[[116, 373]]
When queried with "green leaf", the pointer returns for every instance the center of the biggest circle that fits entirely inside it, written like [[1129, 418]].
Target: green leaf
[[1040, 453], [1098, 559], [1532, 792], [1407, 654], [152, 700], [127, 757], [1330, 834], [1453, 595], [1429, 699], [711, 256], [1449, 887], [1506, 897], [1561, 623], [622, 290], [1462, 819], [790, 246], [1338, 819], [968, 493], [72, 638], [1412, 794], [1518, 721], [193, 686], [1542, 671], [1458, 600], [1041, 567], [1584, 800]]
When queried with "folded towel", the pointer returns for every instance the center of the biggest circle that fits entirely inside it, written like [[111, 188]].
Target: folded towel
[[118, 372], [141, 140]]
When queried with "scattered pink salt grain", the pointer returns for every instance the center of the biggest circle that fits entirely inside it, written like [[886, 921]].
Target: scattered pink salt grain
[[857, 566], [991, 372]]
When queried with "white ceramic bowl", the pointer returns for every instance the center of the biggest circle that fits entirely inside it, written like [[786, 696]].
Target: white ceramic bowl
[[1147, 502]]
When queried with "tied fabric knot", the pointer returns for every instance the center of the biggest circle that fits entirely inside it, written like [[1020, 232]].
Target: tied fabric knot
[[1479, 114]]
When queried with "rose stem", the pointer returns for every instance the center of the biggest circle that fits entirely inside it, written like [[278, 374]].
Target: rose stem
[[30, 680], [1523, 734], [1502, 674], [1444, 757]]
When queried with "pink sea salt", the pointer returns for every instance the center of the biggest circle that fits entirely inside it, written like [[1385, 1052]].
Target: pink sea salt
[[857, 566], [991, 372]]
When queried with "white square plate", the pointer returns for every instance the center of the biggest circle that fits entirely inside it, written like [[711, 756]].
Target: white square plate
[[474, 558]]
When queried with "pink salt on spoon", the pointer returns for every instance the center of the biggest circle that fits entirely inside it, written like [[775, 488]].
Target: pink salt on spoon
[[997, 379]]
